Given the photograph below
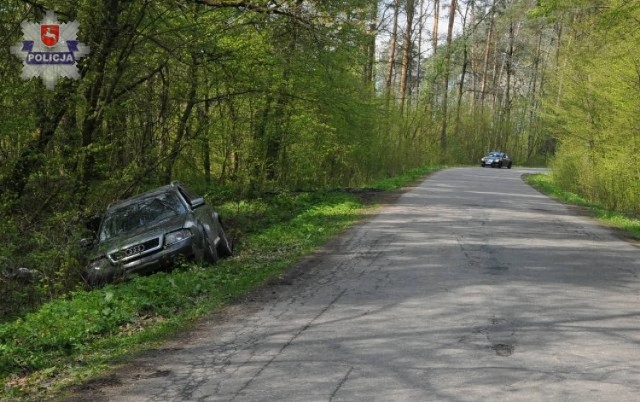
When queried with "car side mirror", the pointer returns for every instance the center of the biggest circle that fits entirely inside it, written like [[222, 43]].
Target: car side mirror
[[197, 202]]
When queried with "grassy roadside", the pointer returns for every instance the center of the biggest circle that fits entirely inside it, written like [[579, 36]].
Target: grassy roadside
[[72, 339], [411, 176], [628, 224]]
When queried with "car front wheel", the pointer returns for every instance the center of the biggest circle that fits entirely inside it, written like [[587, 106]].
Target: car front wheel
[[225, 246], [210, 254], [98, 278]]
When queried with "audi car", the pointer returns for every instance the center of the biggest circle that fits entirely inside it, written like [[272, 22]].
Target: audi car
[[496, 160], [151, 232]]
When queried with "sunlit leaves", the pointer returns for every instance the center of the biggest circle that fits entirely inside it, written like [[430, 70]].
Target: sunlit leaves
[[595, 106]]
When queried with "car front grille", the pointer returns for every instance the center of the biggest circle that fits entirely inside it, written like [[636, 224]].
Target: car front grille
[[136, 250]]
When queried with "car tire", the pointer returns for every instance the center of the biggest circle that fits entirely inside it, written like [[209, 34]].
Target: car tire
[[96, 280], [225, 246], [509, 167], [210, 254], [93, 280]]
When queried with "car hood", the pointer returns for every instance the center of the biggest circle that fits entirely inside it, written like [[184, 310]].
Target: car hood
[[142, 234]]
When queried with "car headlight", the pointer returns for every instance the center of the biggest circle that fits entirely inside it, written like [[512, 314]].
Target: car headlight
[[177, 236]]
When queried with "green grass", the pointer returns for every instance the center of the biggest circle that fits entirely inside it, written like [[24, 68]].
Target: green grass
[[409, 177], [71, 339], [628, 224]]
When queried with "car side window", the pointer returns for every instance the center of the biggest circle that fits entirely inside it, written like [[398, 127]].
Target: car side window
[[186, 194]]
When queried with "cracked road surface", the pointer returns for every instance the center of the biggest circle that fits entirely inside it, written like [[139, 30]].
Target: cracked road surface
[[472, 286]]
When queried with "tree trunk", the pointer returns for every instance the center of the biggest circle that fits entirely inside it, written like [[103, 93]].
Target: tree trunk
[[259, 133], [276, 137], [447, 67], [538, 65], [392, 49], [371, 47], [472, 56], [436, 21], [182, 132], [485, 66], [419, 64], [559, 68], [406, 51], [95, 92], [513, 34], [236, 141], [203, 116], [464, 69], [434, 45]]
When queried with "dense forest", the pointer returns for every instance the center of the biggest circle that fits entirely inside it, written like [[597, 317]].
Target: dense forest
[[240, 97]]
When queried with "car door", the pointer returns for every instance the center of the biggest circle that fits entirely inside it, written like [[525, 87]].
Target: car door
[[202, 213], [502, 162]]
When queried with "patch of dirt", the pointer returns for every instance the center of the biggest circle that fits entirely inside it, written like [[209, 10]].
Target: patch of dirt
[[503, 349], [378, 197], [111, 379]]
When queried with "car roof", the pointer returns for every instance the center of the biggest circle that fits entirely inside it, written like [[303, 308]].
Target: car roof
[[146, 194]]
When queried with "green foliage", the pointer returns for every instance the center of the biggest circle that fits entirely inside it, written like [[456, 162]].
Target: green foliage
[[237, 102], [594, 108], [548, 185]]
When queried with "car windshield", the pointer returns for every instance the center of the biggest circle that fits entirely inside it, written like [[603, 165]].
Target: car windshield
[[495, 154], [141, 213]]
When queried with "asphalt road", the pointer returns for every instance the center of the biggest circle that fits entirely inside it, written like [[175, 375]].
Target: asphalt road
[[473, 286]]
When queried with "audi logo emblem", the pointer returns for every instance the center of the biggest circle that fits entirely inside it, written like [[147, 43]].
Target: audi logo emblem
[[134, 250]]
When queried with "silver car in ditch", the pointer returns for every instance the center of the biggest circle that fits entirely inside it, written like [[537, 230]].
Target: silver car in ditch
[[152, 231]]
